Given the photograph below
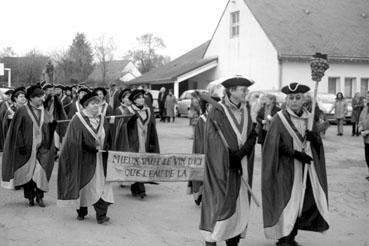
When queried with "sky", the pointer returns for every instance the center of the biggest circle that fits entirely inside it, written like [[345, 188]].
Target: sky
[[50, 26]]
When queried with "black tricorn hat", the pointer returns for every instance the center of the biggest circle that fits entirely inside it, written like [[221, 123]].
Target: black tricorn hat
[[124, 92], [17, 91], [101, 89], [135, 94], [237, 81], [34, 91], [88, 97], [294, 88]]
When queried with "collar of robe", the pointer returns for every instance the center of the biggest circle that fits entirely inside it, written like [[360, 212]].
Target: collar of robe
[[304, 115], [230, 104]]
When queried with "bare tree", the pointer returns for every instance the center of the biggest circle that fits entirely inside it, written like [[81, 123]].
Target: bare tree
[[146, 55], [7, 52], [104, 52]]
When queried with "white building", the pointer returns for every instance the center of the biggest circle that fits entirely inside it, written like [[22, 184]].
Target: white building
[[272, 41]]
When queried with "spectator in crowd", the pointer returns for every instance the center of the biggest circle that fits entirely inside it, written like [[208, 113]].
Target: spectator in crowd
[[364, 129], [340, 111], [170, 104], [161, 101], [357, 106]]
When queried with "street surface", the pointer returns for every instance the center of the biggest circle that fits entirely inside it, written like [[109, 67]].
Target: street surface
[[167, 216]]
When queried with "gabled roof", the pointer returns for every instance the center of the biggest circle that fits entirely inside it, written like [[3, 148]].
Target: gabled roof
[[183, 64], [339, 28], [114, 71]]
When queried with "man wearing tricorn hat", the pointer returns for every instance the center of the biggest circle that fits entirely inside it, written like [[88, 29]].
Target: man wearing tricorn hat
[[226, 202], [28, 158], [290, 148], [76, 105]]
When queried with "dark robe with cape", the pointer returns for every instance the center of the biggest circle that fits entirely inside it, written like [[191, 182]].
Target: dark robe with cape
[[225, 202], [7, 118], [82, 170], [35, 137], [197, 148], [73, 108], [130, 135], [282, 178], [3, 109], [54, 106]]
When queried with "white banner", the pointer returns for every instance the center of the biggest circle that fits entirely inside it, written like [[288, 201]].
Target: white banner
[[150, 167]]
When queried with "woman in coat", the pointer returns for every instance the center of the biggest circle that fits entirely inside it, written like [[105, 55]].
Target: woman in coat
[[357, 107], [170, 103], [265, 115], [340, 111], [364, 129]]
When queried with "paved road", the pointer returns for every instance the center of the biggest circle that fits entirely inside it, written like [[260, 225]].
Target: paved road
[[169, 217]]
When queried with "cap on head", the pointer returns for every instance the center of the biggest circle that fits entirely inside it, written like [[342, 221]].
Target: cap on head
[[101, 89], [295, 88], [124, 92], [17, 91], [90, 96], [135, 94], [34, 91]]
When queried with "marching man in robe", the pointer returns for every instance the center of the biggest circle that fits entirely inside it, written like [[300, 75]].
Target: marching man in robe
[[28, 158], [82, 165], [289, 148], [230, 161]]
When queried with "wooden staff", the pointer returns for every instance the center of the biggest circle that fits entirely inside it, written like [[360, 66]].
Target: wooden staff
[[217, 128], [106, 117], [317, 79]]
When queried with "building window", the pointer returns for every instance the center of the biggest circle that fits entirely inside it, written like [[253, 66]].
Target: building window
[[349, 87], [333, 85], [235, 24], [364, 86]]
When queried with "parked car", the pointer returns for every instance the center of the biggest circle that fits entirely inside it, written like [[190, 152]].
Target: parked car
[[326, 102], [155, 105], [184, 102]]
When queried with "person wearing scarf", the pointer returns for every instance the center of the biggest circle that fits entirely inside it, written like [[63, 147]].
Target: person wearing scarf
[[76, 106], [82, 163], [289, 149], [4, 105], [28, 158], [18, 99], [137, 134], [225, 204], [195, 188]]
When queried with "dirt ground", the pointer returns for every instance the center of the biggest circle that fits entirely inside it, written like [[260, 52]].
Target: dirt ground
[[167, 216]]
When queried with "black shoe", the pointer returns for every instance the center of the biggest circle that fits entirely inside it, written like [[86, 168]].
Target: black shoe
[[31, 202], [103, 220], [198, 200], [79, 217], [40, 202]]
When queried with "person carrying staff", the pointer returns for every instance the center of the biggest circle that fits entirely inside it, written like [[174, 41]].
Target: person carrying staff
[[289, 149], [82, 164], [28, 158], [230, 160]]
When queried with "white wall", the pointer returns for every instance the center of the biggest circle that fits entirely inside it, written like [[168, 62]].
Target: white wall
[[300, 72], [251, 54]]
